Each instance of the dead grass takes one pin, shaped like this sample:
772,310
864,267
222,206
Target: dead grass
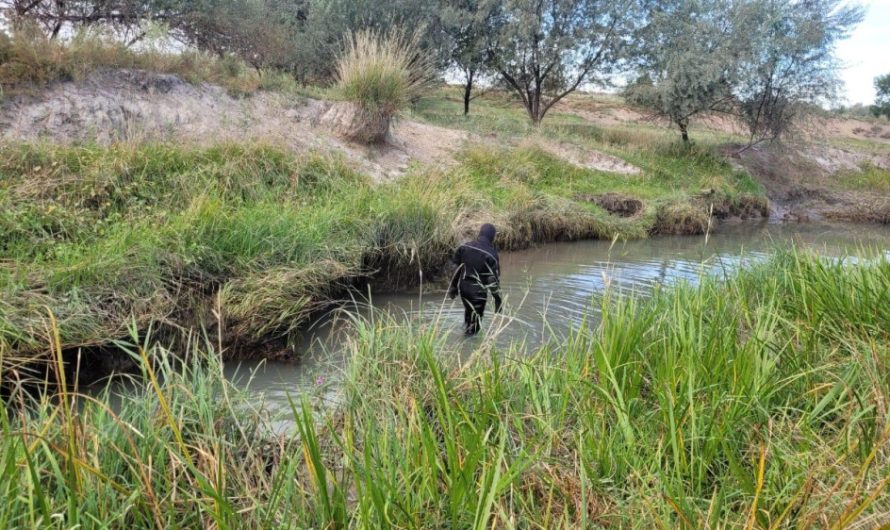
29,61
681,218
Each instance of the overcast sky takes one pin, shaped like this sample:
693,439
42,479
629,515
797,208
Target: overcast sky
866,54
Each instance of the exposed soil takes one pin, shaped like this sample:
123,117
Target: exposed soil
850,128
616,204
352,122
588,158
134,105
802,182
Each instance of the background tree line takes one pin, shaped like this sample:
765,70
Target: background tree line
764,62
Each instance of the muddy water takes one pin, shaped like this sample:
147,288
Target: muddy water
552,288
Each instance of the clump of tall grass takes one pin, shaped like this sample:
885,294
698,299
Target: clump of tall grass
382,72
379,73
682,218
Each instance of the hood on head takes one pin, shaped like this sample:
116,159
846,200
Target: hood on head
487,232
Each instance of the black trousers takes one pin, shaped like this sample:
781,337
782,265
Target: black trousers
474,308
474,298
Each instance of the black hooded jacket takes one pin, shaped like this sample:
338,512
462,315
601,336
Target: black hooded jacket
479,267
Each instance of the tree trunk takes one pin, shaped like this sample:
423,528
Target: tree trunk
468,91
60,7
535,109
683,131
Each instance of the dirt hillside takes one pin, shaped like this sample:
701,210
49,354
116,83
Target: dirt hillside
803,180
134,105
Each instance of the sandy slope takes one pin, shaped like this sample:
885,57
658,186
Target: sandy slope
129,105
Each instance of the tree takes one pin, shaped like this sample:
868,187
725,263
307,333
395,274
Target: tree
882,99
789,64
261,32
544,50
688,50
466,25
55,15
761,61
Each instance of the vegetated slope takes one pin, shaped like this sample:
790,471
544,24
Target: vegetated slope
156,201
830,167
249,240
114,105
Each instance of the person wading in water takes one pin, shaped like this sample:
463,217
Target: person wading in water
478,273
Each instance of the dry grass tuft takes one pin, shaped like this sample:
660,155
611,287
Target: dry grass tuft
382,71
681,218
30,60
379,74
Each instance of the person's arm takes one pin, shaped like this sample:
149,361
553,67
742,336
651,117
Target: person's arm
495,289
455,277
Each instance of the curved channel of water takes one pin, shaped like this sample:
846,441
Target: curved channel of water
551,288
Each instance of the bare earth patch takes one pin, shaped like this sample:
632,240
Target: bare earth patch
588,158
802,182
616,204
138,106
850,128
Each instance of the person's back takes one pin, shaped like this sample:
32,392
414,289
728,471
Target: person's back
478,274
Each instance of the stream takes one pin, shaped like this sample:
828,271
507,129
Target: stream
548,290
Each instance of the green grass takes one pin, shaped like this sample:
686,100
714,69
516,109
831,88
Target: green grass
861,145
498,113
168,233
868,178
495,112
758,402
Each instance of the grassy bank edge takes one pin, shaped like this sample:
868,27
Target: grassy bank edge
754,402
257,239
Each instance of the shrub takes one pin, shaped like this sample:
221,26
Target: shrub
379,74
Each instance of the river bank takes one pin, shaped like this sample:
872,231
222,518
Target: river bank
548,290
754,402
246,242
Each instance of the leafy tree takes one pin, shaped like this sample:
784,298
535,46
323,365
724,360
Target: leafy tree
544,50
687,50
261,32
789,64
55,15
762,61
882,100
466,25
